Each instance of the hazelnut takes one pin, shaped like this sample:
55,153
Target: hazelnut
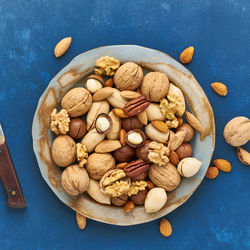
131,123
140,197
75,180
135,138
128,76
185,150
155,86
165,176
63,151
189,131
120,200
142,153
103,123
94,83
98,164
77,102
77,128
124,154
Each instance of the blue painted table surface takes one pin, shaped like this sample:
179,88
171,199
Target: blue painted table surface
217,215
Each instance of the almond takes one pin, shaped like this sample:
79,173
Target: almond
180,121
212,172
109,83
102,94
165,228
62,46
129,207
122,136
81,221
219,88
121,165
222,165
143,118
107,146
120,113
161,126
193,121
150,185
187,55
243,155
173,158
128,94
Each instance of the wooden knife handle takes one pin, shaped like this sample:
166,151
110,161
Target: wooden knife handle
9,179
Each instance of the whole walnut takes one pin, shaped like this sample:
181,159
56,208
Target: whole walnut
98,164
165,176
155,86
128,76
77,102
75,180
63,151
237,131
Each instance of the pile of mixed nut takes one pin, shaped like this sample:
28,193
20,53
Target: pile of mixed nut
122,138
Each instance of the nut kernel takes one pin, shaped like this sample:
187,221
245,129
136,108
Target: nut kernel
106,65
59,122
135,138
212,172
92,85
102,123
129,207
82,154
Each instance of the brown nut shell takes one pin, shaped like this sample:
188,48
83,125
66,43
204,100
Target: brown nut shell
120,200
133,144
135,168
110,123
139,198
131,123
77,128
96,77
124,154
185,150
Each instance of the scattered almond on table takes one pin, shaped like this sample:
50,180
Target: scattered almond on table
62,46
187,55
165,227
212,172
81,220
219,88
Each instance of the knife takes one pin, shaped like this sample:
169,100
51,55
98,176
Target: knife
8,176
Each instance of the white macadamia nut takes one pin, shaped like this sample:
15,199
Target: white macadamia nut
189,166
93,85
102,123
155,200
135,138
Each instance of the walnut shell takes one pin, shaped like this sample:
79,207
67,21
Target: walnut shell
128,76
155,86
63,151
237,131
77,102
98,164
75,180
165,176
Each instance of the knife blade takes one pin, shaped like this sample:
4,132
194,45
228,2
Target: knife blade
8,176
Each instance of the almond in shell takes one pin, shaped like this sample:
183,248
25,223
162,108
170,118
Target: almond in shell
129,94
62,46
102,94
193,122
107,146
243,155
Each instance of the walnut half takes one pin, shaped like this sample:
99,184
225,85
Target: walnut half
158,153
115,183
59,122
107,66
82,154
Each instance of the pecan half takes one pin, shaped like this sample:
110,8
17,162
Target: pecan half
135,168
136,106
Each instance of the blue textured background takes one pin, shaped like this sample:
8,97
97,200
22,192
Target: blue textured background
217,215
